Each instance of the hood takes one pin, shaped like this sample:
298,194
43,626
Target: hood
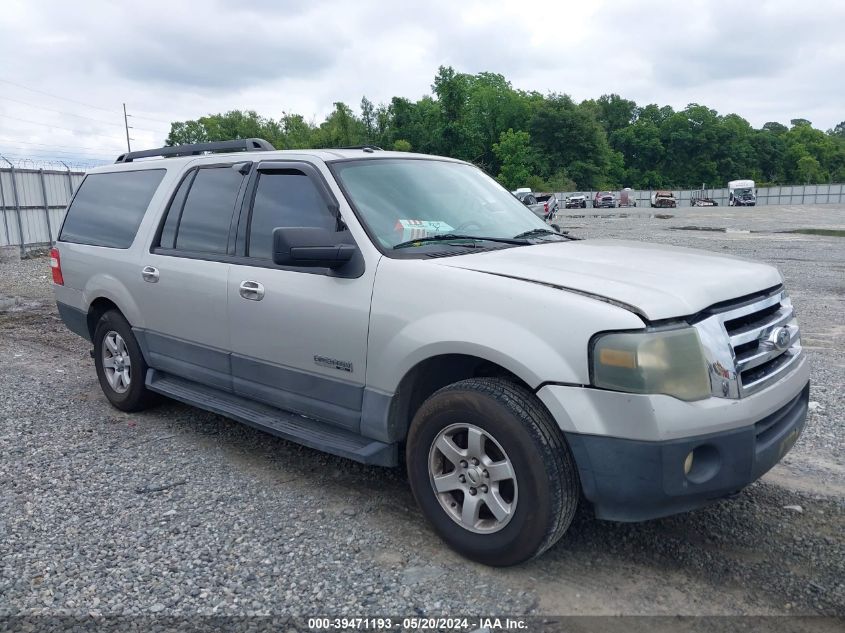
656,281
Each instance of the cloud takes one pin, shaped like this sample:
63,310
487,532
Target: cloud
171,60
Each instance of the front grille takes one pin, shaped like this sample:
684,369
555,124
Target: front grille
764,338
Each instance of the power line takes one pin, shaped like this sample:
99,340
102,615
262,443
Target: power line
59,127
81,116
87,105
47,157
52,145
36,150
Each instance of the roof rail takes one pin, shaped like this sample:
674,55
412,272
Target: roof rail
237,145
363,147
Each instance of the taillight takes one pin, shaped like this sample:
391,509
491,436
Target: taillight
546,207
56,266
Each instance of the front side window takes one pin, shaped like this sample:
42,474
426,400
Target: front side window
404,199
108,208
286,198
207,214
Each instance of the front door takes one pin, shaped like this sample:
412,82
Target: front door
298,335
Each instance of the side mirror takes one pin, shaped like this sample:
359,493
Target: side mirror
310,246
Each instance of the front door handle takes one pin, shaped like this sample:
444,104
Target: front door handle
150,274
252,290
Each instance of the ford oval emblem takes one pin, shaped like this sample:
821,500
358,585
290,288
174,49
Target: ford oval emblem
781,338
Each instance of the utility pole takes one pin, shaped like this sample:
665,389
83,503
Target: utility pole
126,125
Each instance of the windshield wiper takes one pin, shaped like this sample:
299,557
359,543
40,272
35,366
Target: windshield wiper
538,232
452,236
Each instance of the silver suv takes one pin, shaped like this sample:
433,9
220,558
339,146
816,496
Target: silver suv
377,304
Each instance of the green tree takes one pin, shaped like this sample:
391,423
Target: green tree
569,138
808,169
514,153
296,132
223,127
615,113
452,90
606,142
368,118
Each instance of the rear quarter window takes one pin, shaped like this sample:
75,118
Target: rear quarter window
108,208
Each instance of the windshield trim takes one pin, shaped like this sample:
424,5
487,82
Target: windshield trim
402,253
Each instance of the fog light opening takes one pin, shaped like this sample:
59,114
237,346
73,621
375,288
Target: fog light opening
688,463
702,463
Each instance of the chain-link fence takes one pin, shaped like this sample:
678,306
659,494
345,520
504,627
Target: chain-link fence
796,194
33,197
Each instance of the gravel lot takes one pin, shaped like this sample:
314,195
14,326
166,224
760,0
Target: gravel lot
177,511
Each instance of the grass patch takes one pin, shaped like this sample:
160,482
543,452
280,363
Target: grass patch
825,232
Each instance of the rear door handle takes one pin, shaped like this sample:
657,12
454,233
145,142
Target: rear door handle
252,290
150,274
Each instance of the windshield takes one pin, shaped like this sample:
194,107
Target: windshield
742,191
405,199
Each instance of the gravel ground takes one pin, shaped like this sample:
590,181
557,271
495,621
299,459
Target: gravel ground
180,512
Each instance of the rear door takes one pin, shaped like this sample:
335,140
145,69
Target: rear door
298,335
185,273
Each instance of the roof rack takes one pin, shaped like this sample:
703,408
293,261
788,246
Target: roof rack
237,145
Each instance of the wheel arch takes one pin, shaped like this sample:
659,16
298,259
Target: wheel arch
105,292
433,373
96,310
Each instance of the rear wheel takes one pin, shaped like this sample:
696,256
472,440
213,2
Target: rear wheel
121,368
491,471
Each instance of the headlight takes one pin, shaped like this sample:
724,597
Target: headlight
670,362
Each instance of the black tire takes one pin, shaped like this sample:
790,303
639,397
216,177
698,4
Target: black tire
137,397
545,472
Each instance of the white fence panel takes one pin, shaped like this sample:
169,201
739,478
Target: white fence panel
32,204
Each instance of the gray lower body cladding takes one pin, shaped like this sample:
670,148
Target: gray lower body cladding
74,319
631,480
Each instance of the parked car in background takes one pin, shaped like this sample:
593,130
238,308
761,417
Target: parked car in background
663,200
550,204
527,198
578,201
604,200
627,198
741,193
702,198
540,204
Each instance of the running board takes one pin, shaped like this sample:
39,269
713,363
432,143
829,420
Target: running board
290,426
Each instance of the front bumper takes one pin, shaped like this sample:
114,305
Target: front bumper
635,480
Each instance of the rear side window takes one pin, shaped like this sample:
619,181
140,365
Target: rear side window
108,208
285,199
174,212
207,214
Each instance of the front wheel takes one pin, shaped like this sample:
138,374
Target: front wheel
491,471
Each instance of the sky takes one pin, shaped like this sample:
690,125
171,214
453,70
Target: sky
66,67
